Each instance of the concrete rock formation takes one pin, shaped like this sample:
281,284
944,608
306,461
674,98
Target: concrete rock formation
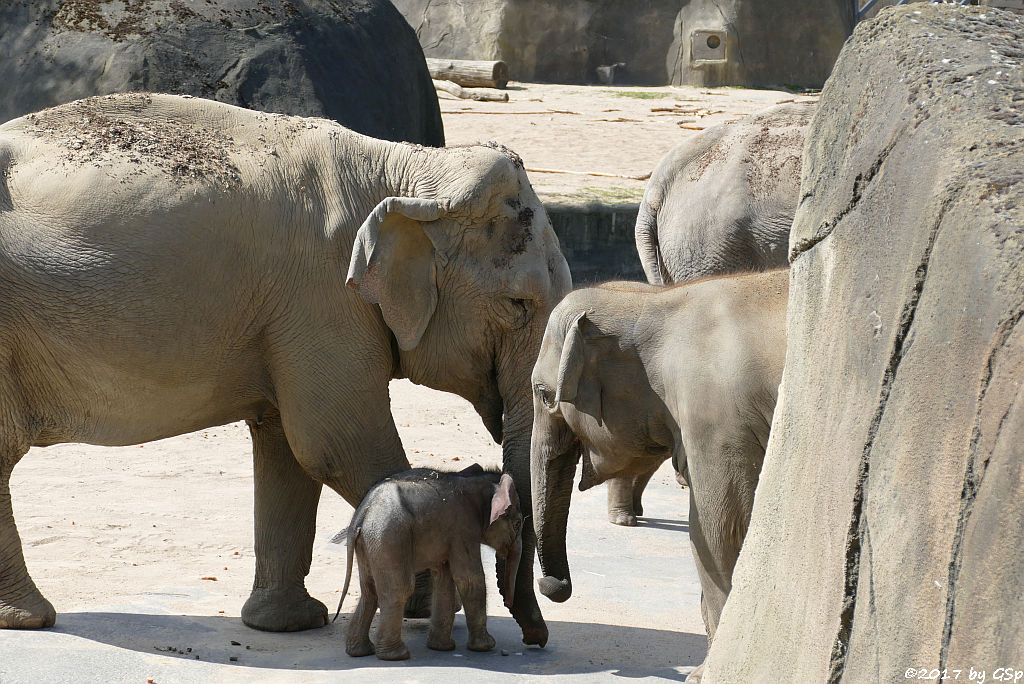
759,42
356,62
888,525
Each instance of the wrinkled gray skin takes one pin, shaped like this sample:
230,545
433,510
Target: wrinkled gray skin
424,519
721,202
627,377
168,264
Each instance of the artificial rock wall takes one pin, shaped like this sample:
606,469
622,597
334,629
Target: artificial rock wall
888,525
756,42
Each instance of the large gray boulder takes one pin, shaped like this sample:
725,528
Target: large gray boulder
888,525
357,62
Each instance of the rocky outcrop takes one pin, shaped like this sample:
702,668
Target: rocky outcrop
356,62
888,526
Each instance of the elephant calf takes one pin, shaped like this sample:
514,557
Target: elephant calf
629,375
424,519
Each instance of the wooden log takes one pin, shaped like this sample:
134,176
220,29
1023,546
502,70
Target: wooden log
478,95
470,73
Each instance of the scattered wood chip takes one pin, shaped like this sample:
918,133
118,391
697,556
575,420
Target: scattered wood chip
785,101
589,173
211,578
690,127
619,120
473,111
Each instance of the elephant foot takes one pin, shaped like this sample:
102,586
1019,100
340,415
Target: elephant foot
696,675
535,630
283,611
358,649
30,612
399,652
481,642
622,518
440,643
681,479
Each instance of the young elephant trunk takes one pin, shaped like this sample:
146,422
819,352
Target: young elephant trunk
552,487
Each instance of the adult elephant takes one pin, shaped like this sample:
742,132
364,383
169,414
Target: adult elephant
170,263
628,376
721,202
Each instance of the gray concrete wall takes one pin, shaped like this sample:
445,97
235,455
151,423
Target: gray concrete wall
597,241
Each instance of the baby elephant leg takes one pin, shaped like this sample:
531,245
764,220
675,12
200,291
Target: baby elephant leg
442,610
468,572
357,637
393,590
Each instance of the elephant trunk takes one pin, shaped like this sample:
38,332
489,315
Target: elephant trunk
646,235
515,445
552,489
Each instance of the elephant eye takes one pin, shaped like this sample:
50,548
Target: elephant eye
546,396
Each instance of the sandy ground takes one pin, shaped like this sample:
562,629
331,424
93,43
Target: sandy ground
146,551
622,131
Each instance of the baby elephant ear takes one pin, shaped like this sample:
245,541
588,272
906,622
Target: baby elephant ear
504,499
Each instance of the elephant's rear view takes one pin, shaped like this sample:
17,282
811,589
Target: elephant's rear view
723,201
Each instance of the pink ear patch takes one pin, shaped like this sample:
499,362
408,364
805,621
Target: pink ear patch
503,496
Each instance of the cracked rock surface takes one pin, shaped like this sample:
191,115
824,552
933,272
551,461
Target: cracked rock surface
888,526
310,58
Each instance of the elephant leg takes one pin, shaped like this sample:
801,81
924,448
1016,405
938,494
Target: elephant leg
442,610
22,606
285,522
419,604
392,593
357,636
620,502
639,485
722,484
468,572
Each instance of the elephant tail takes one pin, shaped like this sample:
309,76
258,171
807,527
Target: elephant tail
353,538
646,235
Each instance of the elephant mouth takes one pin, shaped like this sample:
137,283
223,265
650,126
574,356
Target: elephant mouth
495,424
589,477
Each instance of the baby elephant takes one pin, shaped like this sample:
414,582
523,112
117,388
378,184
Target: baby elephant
424,519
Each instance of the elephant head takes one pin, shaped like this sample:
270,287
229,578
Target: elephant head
593,401
466,268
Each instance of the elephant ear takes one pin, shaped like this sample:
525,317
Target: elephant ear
393,265
576,385
505,513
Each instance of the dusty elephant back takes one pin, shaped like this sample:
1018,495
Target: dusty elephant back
723,201
137,233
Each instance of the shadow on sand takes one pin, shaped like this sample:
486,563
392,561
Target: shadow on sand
574,648
664,524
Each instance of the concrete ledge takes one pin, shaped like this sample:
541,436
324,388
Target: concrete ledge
597,241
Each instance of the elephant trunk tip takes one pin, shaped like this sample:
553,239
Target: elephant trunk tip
558,590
